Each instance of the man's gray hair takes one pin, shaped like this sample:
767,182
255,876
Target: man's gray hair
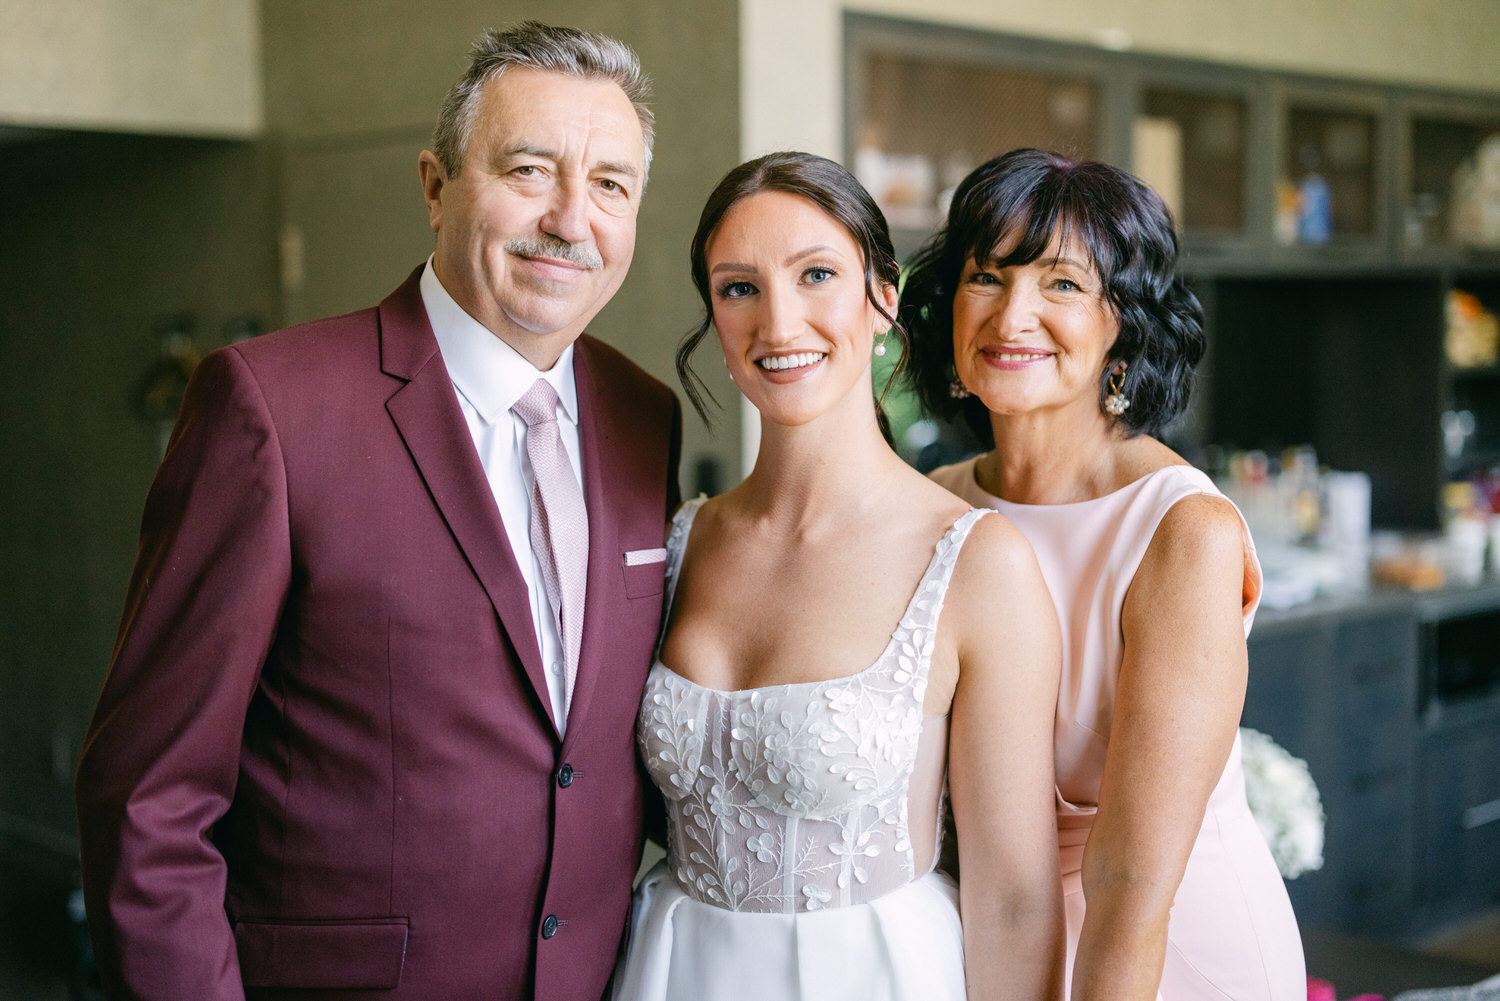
583,54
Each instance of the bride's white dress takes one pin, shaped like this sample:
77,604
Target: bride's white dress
803,826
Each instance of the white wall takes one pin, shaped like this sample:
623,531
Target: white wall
175,67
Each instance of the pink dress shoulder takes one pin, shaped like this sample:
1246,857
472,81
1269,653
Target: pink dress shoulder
1232,932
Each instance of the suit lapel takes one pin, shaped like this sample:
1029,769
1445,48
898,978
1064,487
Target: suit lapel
430,421
598,421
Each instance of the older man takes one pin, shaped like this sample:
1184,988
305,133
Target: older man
368,730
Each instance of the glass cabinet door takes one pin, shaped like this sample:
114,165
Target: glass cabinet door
922,123
1190,146
1452,196
1328,186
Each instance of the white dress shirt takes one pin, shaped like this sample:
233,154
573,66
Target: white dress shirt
489,377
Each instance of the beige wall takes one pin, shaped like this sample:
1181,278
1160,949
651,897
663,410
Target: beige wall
352,89
1445,43
180,67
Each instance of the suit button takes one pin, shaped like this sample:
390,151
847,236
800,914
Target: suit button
549,926
565,776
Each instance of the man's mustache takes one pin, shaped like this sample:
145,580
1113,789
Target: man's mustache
546,245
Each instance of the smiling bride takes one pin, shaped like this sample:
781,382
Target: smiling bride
845,642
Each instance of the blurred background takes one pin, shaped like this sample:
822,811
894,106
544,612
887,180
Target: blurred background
176,175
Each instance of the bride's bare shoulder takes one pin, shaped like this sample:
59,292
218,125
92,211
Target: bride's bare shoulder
997,576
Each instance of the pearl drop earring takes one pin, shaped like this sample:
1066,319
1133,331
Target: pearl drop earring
1116,403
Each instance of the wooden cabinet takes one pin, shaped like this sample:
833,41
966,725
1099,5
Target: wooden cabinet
1459,806
1256,165
1446,146
1394,703
1349,365
1324,228
1471,385
930,106
1285,700
1191,137
1333,174
1369,796
1460,819
1341,694
1324,222
1472,418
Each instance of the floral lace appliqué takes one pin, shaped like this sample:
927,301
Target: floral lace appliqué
794,798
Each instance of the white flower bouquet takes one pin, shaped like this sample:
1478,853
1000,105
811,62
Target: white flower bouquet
1284,801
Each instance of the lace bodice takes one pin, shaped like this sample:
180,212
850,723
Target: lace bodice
797,797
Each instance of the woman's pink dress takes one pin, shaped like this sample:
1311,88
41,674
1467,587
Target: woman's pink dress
1232,933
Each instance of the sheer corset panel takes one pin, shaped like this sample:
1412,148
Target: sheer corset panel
925,793
803,797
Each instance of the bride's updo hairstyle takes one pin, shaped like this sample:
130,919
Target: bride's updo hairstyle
1126,230
828,186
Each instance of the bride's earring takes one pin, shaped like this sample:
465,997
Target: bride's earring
880,342
1116,403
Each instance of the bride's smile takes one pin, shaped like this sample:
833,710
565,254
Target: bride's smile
792,308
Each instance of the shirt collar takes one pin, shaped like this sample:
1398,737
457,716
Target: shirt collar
489,373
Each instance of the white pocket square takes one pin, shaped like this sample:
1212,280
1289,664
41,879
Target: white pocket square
641,557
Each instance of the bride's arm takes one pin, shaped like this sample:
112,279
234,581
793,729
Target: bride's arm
1003,629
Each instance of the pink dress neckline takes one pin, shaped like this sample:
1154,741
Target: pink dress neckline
1135,484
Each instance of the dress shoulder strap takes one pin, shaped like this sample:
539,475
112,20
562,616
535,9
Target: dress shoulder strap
927,604
1162,490
677,539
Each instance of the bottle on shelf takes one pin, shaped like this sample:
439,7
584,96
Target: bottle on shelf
1314,201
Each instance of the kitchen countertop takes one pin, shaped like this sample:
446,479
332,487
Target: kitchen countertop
1446,602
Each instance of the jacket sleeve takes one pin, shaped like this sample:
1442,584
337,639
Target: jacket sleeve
160,761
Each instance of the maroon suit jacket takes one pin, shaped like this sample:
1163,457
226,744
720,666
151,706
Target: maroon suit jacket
324,763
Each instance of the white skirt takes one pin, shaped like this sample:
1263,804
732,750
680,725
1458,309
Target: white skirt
904,946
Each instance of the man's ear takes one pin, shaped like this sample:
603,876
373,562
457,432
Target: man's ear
434,178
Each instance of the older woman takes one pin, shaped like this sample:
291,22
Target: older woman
818,674
1049,314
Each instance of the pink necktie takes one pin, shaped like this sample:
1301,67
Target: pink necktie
559,523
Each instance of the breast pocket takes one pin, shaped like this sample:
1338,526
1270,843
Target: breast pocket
645,572
317,955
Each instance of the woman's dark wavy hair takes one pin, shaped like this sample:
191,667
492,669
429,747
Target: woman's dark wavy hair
828,186
1127,231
